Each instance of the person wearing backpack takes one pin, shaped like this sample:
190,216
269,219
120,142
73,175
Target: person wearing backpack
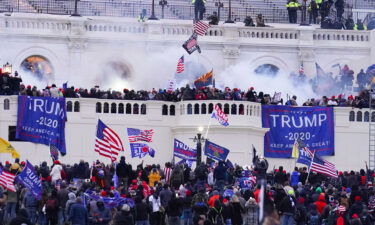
215,214
31,204
52,208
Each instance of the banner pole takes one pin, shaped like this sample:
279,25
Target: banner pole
208,127
308,173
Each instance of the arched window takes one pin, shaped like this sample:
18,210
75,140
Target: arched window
351,116
189,109
366,117
241,110
128,109
76,106
143,109
113,108
172,110
106,107
210,108
196,108
69,106
221,107
226,109
6,104
204,109
359,116
98,107
233,110
135,108
373,117
164,110
121,108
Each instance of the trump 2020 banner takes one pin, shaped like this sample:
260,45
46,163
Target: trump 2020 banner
312,125
215,151
183,151
42,120
31,180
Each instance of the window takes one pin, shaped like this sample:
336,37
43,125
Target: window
164,110
233,110
196,108
359,116
69,106
210,108
113,108
6,104
189,109
106,107
76,106
241,111
121,108
172,110
351,116
143,109
226,109
128,108
12,134
366,117
98,107
204,109
373,117
136,109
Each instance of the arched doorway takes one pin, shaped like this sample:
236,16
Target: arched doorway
38,66
267,70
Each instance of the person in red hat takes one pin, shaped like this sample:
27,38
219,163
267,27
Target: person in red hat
357,207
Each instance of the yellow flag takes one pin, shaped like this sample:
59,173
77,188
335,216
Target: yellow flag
6,147
295,151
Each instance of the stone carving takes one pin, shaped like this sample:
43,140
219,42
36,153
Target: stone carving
232,52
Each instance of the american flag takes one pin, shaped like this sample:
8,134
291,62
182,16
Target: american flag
135,135
107,143
201,28
54,152
301,69
7,180
191,43
180,65
320,165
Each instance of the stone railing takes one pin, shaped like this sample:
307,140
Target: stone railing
63,25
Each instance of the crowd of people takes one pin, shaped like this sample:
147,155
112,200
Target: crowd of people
12,85
176,195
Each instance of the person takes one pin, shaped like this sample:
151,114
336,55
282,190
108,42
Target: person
361,79
31,204
174,210
62,197
124,217
237,211
292,101
15,168
10,206
100,215
142,16
157,209
56,171
287,209
294,177
248,21
78,214
251,212
214,19
260,21
219,175
199,9
215,214
313,10
52,208
292,6
359,25
123,171
349,23
72,199
154,177
22,218
339,4
142,212
280,176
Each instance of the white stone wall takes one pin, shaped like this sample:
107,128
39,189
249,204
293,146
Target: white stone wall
351,137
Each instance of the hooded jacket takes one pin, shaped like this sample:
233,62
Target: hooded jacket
320,204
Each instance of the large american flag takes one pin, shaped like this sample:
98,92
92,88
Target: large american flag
180,65
107,143
7,180
135,135
321,165
201,28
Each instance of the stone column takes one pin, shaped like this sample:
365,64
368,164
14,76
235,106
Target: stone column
306,49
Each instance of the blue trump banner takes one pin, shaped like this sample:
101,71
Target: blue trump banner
183,151
31,180
313,125
42,120
215,151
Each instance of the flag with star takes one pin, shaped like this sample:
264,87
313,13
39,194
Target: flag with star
204,80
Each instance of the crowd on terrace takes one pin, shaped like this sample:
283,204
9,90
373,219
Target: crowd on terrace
210,194
328,84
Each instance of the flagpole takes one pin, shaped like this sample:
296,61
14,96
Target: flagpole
308,173
208,127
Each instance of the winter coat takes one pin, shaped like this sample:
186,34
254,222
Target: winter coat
56,173
70,202
251,213
100,214
320,204
153,177
123,218
78,214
